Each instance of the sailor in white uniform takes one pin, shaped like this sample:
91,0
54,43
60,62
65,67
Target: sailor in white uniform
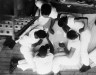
71,60
47,16
28,42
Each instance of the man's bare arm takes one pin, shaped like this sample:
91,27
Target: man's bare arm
72,50
38,43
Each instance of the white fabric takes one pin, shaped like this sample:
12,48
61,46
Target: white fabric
63,62
85,40
44,65
53,13
74,24
29,40
76,56
22,64
26,47
38,4
40,65
28,55
43,23
92,56
42,20
78,26
70,22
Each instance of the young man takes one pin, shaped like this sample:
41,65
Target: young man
69,22
28,42
47,16
43,60
48,47
71,60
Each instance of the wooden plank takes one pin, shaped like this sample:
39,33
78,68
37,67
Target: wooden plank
4,59
5,55
4,63
4,71
4,74
4,67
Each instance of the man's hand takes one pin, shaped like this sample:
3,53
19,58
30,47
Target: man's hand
37,43
61,44
47,36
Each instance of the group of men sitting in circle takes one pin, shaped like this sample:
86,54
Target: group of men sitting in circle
46,60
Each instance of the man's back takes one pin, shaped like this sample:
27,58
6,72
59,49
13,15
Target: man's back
43,65
30,39
75,24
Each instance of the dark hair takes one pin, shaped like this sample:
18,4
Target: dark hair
63,23
72,34
46,9
41,34
42,51
47,46
81,30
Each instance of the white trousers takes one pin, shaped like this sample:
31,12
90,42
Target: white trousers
64,63
85,40
28,55
84,57
92,56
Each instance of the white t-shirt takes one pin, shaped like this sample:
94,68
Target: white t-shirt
85,39
75,59
64,63
74,24
43,23
30,39
53,13
38,4
44,65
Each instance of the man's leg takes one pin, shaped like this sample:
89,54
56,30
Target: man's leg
92,60
51,26
24,66
92,57
28,55
56,66
85,61
85,40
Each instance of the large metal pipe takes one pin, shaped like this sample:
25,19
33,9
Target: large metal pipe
9,42
20,32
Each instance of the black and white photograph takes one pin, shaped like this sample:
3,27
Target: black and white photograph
47,37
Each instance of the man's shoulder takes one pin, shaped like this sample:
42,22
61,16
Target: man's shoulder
53,13
39,4
34,30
